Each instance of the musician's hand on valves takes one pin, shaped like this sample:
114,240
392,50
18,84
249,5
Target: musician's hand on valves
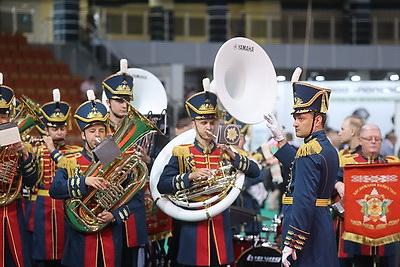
226,149
48,142
105,217
142,154
200,174
274,127
286,252
97,182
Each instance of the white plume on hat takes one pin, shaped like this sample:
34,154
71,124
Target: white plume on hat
1,78
90,95
296,75
123,63
206,84
56,95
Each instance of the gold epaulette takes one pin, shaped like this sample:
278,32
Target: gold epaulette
348,159
69,163
392,159
181,150
310,148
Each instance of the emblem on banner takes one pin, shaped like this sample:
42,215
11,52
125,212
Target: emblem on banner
375,206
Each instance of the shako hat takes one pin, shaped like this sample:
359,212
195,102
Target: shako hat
119,85
91,112
57,112
6,97
202,105
310,98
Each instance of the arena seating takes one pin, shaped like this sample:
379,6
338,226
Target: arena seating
32,70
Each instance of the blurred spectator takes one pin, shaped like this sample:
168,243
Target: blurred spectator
88,85
333,137
362,113
387,146
183,125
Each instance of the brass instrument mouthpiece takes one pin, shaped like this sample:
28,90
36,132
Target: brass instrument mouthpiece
211,134
98,140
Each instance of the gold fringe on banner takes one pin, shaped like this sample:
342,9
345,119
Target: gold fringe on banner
371,241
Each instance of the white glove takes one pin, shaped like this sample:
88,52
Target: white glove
285,254
274,127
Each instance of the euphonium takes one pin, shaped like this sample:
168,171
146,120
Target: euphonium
10,179
82,212
27,117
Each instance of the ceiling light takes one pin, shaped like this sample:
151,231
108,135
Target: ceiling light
281,78
394,77
355,78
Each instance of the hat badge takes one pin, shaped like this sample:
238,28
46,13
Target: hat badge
298,101
94,114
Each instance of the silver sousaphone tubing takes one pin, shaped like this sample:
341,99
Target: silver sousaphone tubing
245,83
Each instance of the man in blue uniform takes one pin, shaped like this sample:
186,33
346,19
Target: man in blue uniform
308,235
104,247
208,242
16,166
118,89
47,217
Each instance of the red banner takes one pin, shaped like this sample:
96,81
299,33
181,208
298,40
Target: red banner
372,203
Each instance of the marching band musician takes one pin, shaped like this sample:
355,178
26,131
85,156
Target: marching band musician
208,242
308,235
119,91
13,239
47,217
101,248
361,255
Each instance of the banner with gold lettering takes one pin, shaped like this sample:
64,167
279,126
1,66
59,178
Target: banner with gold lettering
372,203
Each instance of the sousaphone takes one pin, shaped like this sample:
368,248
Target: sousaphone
245,83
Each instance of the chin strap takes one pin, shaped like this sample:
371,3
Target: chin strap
312,125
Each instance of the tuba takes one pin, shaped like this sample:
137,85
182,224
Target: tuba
82,212
243,77
10,179
147,86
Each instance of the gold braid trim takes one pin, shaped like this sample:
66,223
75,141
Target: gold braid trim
371,241
69,164
310,148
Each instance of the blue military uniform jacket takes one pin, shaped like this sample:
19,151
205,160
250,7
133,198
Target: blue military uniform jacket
194,239
81,248
307,223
